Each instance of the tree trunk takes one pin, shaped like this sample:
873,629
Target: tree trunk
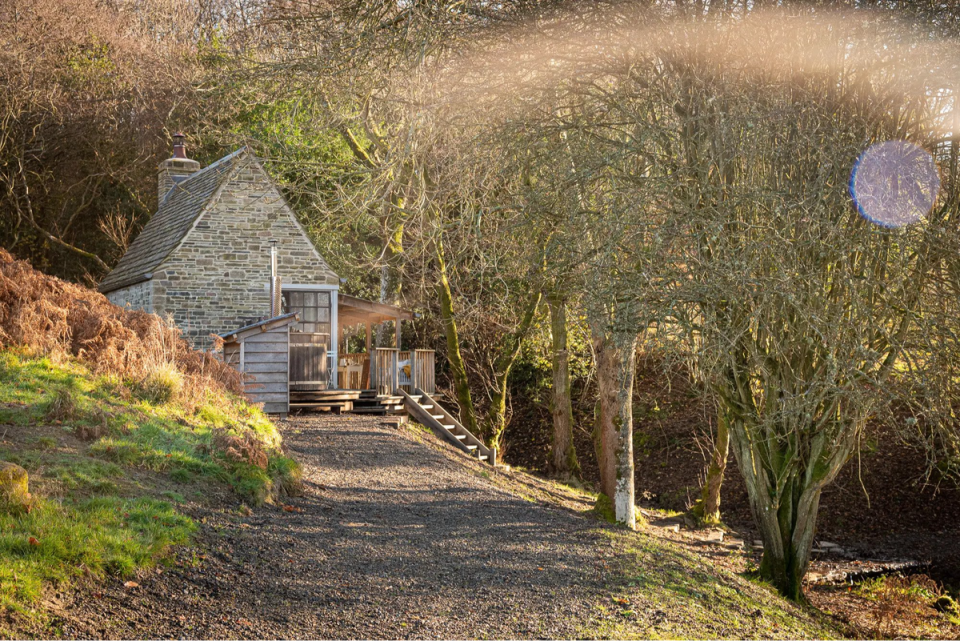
784,495
563,461
707,509
615,356
495,421
787,535
390,282
457,367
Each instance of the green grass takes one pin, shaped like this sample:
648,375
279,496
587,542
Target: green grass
104,535
160,435
659,590
104,454
655,588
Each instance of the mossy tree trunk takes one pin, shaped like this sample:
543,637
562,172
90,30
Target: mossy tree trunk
494,422
785,474
707,509
458,368
563,459
390,280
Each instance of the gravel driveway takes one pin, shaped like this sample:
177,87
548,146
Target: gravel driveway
394,537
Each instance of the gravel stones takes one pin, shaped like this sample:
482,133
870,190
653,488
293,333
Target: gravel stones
392,539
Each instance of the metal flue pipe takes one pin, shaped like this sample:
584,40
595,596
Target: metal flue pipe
275,287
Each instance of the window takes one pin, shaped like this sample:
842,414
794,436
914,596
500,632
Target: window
314,310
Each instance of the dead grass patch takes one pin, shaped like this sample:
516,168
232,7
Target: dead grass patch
50,316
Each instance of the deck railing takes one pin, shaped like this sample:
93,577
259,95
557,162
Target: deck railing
391,369
383,370
423,370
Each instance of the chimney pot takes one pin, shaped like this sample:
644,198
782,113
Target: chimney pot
179,148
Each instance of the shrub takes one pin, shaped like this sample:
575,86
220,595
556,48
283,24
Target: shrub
62,407
161,385
241,449
287,474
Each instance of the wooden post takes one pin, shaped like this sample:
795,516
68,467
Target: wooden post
370,364
396,330
334,337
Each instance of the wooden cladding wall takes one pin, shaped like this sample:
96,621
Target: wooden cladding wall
264,361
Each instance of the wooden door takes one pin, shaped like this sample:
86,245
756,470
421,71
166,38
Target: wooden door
309,339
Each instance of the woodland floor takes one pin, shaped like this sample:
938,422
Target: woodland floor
399,536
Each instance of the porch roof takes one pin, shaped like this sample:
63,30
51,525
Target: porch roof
356,311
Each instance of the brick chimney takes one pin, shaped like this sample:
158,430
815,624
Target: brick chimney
176,168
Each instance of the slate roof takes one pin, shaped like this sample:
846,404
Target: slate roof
174,218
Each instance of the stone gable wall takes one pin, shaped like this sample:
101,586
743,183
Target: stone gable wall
138,296
216,280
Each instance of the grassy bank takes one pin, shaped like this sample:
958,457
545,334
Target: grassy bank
109,460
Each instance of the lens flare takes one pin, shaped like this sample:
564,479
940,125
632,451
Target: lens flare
894,183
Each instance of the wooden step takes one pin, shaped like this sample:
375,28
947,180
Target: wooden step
455,433
325,395
376,411
335,408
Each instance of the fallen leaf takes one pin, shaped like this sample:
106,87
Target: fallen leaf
33,541
131,584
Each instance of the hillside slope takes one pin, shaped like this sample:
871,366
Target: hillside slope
121,427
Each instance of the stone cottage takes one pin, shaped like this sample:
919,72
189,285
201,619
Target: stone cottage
204,260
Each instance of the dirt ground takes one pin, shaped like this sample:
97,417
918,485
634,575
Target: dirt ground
878,507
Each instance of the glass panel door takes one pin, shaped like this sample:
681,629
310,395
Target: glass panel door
309,338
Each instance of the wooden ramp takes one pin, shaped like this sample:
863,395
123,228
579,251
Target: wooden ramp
427,411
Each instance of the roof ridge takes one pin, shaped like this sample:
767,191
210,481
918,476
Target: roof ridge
174,218
201,172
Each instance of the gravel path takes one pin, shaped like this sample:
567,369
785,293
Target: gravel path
393,538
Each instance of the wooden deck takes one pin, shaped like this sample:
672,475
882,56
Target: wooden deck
347,401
